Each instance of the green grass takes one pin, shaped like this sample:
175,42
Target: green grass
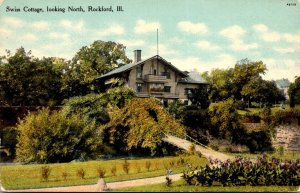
181,186
287,155
29,176
274,109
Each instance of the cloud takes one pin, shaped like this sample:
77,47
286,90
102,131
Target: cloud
188,63
205,45
142,27
235,36
77,26
193,28
277,69
284,50
63,38
292,38
114,29
266,34
29,37
233,33
13,22
163,49
40,25
5,32
131,43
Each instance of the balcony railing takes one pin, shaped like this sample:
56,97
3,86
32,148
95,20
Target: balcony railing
155,78
158,94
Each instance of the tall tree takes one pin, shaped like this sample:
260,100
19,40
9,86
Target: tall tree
294,92
90,62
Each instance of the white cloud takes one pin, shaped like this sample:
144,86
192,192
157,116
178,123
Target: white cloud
40,25
206,45
29,37
193,28
131,43
163,49
114,29
239,45
143,27
266,34
63,38
235,34
77,26
284,50
5,32
260,28
188,63
292,38
13,22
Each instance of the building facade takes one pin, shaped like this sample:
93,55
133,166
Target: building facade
155,77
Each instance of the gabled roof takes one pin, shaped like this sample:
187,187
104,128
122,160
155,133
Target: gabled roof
283,83
187,78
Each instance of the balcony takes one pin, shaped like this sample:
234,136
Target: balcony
155,78
158,95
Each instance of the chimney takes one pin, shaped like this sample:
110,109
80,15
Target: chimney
137,56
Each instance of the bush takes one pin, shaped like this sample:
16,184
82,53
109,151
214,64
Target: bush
113,170
125,166
64,175
148,165
52,137
192,149
168,181
80,173
241,172
101,172
45,173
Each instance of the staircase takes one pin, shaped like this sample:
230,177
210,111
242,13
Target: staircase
287,136
204,150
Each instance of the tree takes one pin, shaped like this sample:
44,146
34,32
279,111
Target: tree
52,137
26,80
261,91
90,62
294,92
199,97
139,125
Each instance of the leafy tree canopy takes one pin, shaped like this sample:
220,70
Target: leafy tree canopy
140,124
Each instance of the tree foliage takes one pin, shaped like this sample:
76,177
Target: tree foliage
294,92
90,62
52,137
26,80
140,124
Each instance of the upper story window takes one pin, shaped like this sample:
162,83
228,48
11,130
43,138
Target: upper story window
138,71
167,73
188,91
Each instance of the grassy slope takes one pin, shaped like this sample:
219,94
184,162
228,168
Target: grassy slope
181,186
28,176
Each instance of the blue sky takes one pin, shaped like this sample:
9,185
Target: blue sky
193,34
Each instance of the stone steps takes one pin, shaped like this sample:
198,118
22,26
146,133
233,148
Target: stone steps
287,136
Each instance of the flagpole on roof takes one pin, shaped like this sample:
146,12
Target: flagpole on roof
157,41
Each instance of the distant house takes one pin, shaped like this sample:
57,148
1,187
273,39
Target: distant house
283,84
155,77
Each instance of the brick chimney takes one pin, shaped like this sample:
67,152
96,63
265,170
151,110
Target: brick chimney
137,56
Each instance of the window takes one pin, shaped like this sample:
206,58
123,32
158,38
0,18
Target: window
167,89
167,73
138,71
139,87
188,91
154,72
165,102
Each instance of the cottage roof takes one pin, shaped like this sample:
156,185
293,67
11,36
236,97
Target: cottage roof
127,67
282,83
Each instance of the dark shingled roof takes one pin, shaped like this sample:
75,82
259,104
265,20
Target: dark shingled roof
283,83
127,67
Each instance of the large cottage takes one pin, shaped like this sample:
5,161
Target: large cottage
155,77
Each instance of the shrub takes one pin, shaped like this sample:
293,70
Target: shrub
171,163
148,165
168,181
113,170
101,172
80,173
281,150
52,137
137,167
125,166
192,149
64,175
45,173
243,172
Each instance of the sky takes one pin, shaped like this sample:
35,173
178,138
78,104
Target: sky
192,34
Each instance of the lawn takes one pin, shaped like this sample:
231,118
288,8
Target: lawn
29,176
181,186
274,109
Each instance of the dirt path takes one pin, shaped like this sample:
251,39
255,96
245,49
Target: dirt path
95,187
184,144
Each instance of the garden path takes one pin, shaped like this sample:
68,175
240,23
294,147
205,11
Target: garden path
205,151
